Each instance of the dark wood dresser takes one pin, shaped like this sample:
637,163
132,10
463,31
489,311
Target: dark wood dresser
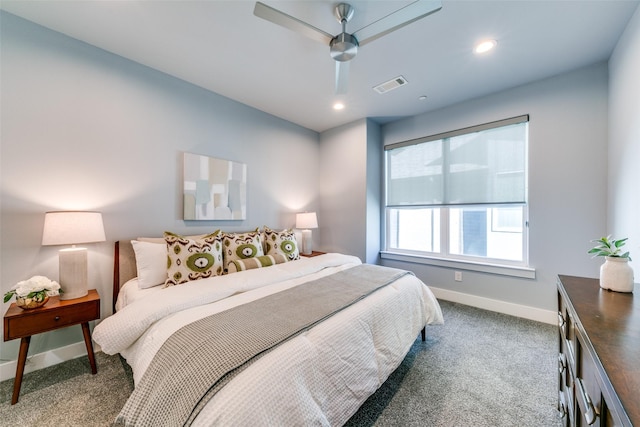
599,360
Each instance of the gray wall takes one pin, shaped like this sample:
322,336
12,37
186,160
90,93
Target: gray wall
85,129
624,141
343,186
567,179
351,190
374,196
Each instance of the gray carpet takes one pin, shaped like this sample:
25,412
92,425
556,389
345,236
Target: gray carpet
479,369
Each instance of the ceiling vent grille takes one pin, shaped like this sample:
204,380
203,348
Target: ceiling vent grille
391,85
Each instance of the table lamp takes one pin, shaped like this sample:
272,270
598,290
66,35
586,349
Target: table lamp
71,228
305,221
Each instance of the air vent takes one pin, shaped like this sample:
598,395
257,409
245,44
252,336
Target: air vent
391,85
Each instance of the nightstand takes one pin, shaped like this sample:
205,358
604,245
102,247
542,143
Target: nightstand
312,254
55,314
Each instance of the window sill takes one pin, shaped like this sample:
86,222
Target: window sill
504,270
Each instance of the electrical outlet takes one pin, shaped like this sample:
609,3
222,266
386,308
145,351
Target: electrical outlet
458,276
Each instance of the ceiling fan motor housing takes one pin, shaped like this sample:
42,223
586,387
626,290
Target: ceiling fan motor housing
343,47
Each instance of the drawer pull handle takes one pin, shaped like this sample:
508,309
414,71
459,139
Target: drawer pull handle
57,318
560,320
590,413
562,363
562,407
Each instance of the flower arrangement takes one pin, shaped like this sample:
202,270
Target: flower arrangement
609,247
33,291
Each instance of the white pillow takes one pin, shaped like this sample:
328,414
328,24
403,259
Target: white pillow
151,263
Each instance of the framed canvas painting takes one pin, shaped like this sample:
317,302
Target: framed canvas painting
214,189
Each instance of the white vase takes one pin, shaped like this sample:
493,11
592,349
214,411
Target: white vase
616,274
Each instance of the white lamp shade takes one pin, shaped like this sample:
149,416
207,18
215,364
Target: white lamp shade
72,227
306,220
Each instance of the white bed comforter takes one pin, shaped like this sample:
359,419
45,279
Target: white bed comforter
320,377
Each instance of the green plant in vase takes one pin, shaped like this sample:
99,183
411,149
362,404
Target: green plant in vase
615,274
609,247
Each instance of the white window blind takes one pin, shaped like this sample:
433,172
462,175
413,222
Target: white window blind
485,164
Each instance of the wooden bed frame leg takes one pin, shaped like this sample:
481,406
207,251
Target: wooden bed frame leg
423,332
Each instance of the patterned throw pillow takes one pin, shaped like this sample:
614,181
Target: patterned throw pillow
189,259
241,246
281,242
255,262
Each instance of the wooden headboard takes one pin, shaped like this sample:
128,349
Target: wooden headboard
124,267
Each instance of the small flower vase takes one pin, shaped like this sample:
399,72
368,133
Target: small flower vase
26,303
616,274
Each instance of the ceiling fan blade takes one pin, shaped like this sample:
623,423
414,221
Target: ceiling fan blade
263,11
398,19
342,77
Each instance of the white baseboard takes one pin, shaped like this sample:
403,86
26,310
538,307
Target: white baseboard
526,312
45,359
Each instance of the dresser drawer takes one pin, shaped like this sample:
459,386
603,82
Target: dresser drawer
587,391
565,389
567,328
592,407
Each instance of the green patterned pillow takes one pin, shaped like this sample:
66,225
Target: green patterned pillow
255,262
281,242
189,259
241,246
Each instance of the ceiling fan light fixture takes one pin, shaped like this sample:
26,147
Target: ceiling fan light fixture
485,46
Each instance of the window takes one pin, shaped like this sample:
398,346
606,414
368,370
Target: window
460,195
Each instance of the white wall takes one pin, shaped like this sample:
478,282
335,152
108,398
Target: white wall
624,140
85,129
567,179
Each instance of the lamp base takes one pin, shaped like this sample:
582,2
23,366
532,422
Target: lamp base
307,242
73,273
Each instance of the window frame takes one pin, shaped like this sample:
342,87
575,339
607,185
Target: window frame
445,258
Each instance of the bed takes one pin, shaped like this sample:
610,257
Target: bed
319,375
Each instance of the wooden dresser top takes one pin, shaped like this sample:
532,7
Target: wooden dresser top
611,321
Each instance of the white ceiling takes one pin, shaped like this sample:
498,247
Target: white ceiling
223,47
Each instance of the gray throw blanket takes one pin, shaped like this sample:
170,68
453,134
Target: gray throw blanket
200,358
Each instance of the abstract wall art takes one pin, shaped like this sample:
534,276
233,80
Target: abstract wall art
214,189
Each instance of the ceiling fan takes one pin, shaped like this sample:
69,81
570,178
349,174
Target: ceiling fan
344,46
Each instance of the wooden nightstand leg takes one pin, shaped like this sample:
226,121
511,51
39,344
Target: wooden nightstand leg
87,340
22,359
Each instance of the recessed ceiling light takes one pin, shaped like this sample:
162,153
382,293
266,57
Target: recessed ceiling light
422,97
485,46
338,106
